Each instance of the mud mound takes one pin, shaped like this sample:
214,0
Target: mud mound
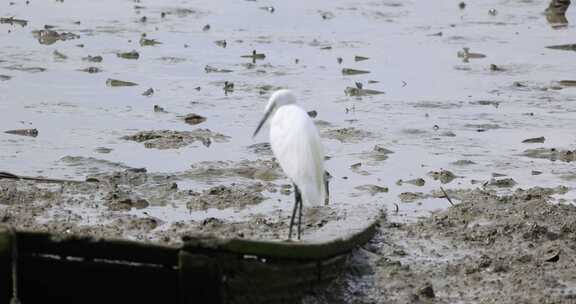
489,248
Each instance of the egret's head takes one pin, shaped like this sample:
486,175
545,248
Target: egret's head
278,99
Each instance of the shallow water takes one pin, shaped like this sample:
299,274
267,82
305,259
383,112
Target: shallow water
424,81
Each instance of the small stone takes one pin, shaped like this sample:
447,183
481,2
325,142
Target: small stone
228,86
92,70
409,197
119,83
427,291
347,71
221,43
24,132
129,55
148,92
93,58
444,176
103,150
540,139
463,162
502,183
194,119
495,68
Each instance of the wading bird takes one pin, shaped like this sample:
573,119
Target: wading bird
296,145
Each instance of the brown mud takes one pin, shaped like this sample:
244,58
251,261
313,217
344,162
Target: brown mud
168,139
117,204
488,248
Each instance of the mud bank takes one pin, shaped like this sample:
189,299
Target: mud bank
488,248
135,204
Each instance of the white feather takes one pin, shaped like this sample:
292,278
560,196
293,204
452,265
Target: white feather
296,144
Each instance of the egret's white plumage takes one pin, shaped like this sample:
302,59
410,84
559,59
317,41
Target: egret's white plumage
296,144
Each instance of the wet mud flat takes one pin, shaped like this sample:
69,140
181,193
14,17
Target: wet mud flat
116,205
488,248
474,97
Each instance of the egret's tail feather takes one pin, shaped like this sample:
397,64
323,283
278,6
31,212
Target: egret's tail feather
313,195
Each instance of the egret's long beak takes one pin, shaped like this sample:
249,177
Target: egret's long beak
264,119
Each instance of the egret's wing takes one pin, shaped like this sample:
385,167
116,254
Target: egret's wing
297,147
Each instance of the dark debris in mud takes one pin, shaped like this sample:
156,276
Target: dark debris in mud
552,154
482,127
444,176
49,37
23,132
96,59
410,197
486,103
194,119
415,181
372,189
502,182
222,197
532,140
169,139
563,47
349,134
129,55
119,83
347,71
463,162
28,69
379,153
262,170
14,21
263,149
91,70
358,92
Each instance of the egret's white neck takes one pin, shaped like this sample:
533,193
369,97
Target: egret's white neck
280,98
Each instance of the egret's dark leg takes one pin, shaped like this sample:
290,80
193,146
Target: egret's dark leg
327,178
297,198
300,219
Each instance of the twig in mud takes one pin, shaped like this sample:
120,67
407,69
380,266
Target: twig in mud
446,196
7,175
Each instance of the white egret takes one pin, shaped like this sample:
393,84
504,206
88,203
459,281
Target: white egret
296,144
